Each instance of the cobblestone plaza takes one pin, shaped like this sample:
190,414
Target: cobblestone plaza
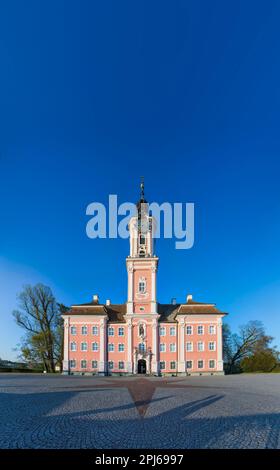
40,411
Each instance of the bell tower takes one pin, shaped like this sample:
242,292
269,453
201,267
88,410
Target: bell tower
142,262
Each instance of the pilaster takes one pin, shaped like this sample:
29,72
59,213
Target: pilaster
65,365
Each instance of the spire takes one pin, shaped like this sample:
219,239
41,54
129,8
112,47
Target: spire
142,197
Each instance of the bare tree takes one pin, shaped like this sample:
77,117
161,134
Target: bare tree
38,314
251,338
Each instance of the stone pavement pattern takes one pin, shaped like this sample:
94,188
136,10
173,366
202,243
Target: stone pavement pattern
40,411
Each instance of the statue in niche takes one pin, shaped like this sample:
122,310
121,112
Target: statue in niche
141,331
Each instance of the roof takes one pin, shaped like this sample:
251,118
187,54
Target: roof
167,312
115,312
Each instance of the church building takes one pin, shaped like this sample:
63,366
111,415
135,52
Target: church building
143,336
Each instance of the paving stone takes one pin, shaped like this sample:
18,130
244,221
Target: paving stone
53,411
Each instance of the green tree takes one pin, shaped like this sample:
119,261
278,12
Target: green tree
40,316
261,361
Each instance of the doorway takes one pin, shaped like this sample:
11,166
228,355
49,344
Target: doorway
142,366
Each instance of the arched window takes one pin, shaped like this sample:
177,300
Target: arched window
141,347
142,239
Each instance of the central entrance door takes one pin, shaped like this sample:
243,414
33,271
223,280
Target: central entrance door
142,366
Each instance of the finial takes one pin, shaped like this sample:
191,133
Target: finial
142,188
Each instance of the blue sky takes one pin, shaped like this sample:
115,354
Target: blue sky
95,94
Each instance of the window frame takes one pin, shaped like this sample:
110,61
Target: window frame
82,330
95,327
209,329
142,287
142,349
172,328
160,330
71,328
111,329
191,328
198,329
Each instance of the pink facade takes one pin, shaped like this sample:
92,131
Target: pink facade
142,335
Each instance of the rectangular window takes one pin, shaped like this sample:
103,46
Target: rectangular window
172,331
172,365
94,365
212,329
200,364
189,364
110,365
212,346
121,365
172,347
83,364
111,347
141,287
73,330
110,331
95,330
83,346
72,364
189,330
189,346
141,347
121,331
73,347
211,364
200,330
95,347
162,347
200,346
121,347
84,330
162,365
162,331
